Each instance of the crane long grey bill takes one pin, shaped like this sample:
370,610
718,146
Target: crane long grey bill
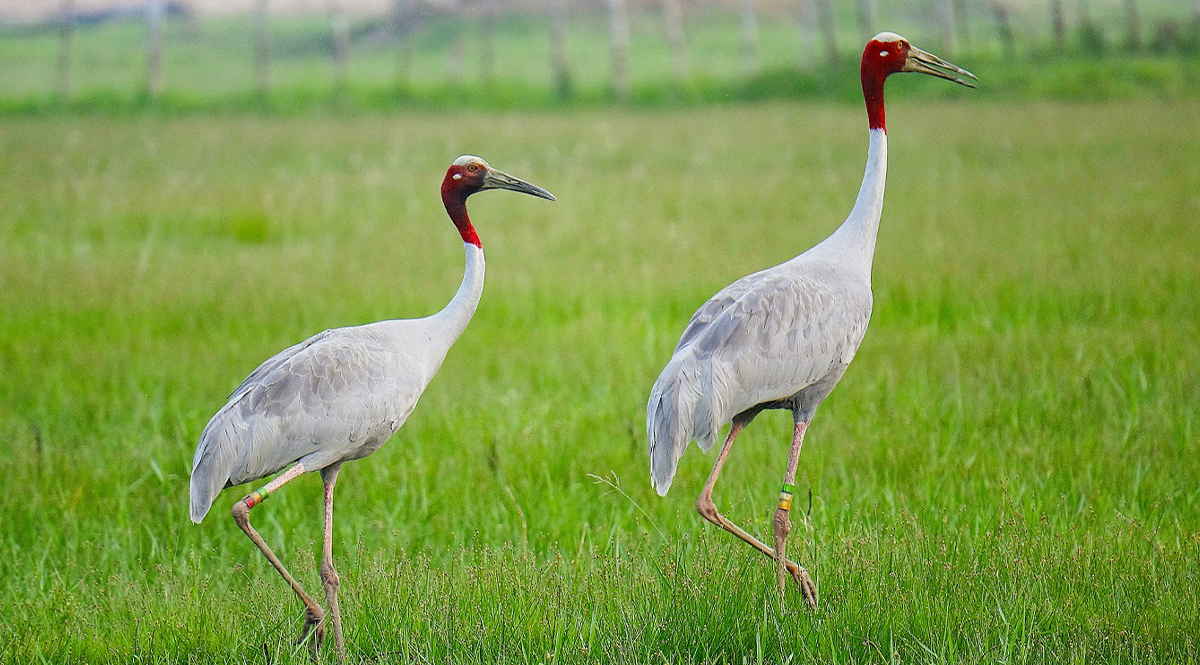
500,180
925,62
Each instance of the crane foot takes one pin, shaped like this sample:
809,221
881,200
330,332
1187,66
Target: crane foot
807,588
313,631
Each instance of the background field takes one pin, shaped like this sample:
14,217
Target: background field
1009,471
449,56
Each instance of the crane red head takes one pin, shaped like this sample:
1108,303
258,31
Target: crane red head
470,174
888,53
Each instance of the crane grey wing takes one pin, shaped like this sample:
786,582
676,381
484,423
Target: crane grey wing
272,363
336,397
762,342
715,305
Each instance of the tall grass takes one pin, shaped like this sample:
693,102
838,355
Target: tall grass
1008,472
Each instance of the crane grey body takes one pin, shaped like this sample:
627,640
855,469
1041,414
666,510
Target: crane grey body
783,337
777,339
335,397
338,396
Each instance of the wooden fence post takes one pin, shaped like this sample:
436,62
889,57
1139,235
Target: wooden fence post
673,19
339,25
559,62
618,31
154,15
1004,28
401,29
829,27
805,19
1058,24
65,46
458,49
750,37
487,43
866,19
946,14
1135,25
262,49
962,25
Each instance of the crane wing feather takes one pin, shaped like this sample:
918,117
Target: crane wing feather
762,339
336,396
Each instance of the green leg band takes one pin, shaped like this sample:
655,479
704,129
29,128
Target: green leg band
257,496
785,496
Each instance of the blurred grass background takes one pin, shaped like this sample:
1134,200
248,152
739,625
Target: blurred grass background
452,56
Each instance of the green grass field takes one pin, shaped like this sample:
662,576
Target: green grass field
1008,473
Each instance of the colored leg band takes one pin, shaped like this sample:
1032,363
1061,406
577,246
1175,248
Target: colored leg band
785,496
256,497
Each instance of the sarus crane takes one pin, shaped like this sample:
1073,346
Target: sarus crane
339,396
781,338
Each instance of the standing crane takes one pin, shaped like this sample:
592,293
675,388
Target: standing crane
338,396
782,337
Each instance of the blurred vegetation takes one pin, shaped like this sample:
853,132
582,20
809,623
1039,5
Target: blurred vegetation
209,63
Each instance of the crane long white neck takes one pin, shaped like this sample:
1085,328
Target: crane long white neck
854,241
458,312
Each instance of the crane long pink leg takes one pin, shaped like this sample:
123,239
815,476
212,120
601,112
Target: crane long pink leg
783,525
313,614
706,507
329,576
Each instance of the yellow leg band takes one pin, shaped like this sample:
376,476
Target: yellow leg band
256,497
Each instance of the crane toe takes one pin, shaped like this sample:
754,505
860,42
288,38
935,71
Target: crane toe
314,629
807,589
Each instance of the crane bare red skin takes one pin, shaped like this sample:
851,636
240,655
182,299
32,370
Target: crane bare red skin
880,59
454,196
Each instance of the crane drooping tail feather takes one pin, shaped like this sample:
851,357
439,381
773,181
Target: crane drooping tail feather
211,468
679,410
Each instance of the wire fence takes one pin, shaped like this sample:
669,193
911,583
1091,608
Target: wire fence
552,49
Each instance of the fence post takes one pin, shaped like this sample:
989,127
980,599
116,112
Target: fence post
262,49
1004,28
154,14
829,27
1059,24
618,31
458,48
866,18
559,63
487,43
962,25
400,35
945,13
66,37
339,25
1135,25
673,18
805,19
750,37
